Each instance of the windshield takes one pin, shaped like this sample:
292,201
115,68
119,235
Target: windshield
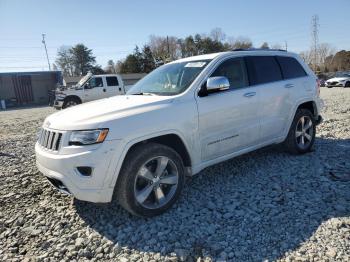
169,79
342,74
84,79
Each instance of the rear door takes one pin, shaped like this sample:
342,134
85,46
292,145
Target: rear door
275,99
113,86
228,120
296,80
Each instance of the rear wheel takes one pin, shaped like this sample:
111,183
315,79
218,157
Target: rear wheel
151,180
347,84
301,135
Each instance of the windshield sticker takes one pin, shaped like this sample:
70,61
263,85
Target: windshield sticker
195,64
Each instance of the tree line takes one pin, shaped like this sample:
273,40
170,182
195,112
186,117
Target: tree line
79,59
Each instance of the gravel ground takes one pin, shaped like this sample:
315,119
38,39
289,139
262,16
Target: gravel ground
266,205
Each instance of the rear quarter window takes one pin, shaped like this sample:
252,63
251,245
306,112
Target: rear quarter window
263,69
112,81
291,68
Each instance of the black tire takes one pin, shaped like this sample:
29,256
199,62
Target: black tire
347,84
292,143
330,86
70,101
125,190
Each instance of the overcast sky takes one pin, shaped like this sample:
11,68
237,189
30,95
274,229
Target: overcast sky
113,28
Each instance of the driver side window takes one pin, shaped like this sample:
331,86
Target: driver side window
235,71
95,82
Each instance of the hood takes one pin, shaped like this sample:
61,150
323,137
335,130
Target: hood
337,79
95,114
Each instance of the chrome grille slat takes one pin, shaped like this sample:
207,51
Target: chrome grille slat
54,142
49,143
46,138
42,136
50,139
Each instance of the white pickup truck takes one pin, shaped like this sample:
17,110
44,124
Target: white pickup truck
90,87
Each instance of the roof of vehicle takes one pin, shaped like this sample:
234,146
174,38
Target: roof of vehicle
250,51
107,75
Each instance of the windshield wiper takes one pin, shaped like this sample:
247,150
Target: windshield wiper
144,94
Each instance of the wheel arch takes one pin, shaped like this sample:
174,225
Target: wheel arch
305,104
172,138
75,97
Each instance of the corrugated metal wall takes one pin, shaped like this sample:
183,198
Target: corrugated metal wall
23,88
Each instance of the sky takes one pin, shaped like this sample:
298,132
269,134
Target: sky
112,29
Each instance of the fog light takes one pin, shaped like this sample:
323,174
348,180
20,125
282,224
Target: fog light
84,170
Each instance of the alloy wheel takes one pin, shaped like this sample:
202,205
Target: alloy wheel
304,132
156,182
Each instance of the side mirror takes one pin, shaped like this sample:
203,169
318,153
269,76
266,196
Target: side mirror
87,86
217,83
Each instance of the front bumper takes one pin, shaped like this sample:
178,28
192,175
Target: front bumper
58,104
62,172
319,120
334,84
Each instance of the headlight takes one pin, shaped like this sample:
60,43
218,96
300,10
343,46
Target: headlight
60,96
88,137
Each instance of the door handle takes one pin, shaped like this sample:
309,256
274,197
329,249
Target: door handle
288,85
104,89
250,94
120,89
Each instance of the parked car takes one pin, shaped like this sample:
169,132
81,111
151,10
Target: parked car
181,118
89,88
342,80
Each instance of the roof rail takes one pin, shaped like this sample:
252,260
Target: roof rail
258,49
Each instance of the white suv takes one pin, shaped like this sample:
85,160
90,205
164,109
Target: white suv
182,117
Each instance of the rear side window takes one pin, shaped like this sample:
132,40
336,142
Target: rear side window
235,71
291,68
263,69
112,81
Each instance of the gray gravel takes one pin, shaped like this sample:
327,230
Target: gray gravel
266,205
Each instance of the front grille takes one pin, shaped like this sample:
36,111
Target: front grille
333,83
50,139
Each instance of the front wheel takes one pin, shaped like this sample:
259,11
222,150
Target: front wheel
301,135
69,102
347,84
151,180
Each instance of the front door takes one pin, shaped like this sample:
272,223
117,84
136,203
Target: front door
93,89
228,120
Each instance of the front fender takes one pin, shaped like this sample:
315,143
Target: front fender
121,153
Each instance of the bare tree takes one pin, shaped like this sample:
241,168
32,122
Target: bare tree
217,34
110,68
277,46
240,42
307,56
324,50
164,48
64,60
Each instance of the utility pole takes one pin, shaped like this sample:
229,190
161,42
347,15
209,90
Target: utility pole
167,43
47,56
286,45
314,33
